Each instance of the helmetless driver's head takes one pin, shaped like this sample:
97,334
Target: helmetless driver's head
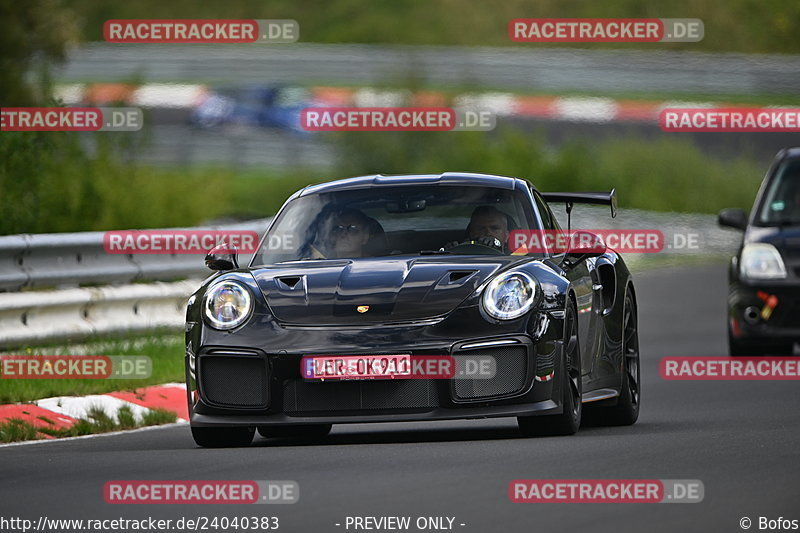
488,221
347,233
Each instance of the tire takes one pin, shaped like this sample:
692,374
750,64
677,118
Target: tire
304,432
567,422
223,437
626,411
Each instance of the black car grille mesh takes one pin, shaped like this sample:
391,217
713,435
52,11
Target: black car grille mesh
234,381
307,396
512,371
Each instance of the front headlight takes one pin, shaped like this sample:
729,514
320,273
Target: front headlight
761,261
509,295
227,304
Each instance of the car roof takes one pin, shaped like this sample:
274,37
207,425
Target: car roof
793,153
446,178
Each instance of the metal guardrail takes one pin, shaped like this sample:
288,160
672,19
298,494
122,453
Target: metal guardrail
62,260
29,318
72,259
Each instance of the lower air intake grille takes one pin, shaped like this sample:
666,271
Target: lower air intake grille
512,371
306,396
234,381
789,315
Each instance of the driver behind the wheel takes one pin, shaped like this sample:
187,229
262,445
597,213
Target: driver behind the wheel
343,234
488,226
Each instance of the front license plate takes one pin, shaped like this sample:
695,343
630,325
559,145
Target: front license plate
324,367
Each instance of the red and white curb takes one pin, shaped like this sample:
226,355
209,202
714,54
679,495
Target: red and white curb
63,412
547,107
149,95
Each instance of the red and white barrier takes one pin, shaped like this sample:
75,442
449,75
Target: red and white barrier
63,412
549,107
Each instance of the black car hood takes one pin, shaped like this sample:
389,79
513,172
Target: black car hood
394,288
786,239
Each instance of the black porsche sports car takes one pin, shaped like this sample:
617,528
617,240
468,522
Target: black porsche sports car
764,276
362,286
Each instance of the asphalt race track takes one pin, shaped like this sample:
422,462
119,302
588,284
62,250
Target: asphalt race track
738,437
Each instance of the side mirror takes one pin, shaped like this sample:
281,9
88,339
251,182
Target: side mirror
222,257
733,218
584,244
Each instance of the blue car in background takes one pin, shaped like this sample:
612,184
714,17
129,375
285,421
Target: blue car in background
263,106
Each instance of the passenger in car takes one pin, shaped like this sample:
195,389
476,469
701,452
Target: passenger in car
487,226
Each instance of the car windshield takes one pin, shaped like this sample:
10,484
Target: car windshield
781,204
396,220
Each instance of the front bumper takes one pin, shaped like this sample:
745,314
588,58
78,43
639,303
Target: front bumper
233,386
767,312
279,419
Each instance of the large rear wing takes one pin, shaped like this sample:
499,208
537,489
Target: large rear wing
600,198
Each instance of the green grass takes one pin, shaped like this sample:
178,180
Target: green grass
96,421
49,185
730,25
673,175
667,174
15,429
166,352
258,193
